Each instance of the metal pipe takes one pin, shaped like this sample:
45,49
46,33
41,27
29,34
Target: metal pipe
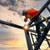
10,24
29,44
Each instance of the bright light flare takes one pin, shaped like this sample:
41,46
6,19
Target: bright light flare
26,27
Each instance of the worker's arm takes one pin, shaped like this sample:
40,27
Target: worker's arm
25,19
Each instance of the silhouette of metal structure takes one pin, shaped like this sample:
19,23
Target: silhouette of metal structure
48,9
29,44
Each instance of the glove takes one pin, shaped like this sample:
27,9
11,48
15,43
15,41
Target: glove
46,19
25,20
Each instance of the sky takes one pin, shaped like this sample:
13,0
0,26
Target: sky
13,37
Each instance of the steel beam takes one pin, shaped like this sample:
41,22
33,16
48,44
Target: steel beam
43,36
40,11
48,42
28,40
48,9
39,22
10,24
30,30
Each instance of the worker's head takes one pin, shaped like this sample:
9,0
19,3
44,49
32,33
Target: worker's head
24,12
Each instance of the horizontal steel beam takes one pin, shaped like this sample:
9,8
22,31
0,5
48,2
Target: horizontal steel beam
10,24
30,30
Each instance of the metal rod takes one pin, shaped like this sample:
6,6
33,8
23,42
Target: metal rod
48,35
28,40
34,34
41,39
32,40
40,11
10,24
48,9
32,30
48,42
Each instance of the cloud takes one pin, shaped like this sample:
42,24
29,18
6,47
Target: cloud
13,42
7,38
5,34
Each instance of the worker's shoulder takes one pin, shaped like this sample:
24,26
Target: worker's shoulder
31,9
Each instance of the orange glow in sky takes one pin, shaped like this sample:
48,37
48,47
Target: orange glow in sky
14,43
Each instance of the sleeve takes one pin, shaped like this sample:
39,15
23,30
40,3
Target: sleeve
35,13
26,18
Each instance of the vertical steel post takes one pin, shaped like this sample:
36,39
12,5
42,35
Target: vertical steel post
29,44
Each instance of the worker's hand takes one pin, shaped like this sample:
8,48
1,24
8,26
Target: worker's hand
25,20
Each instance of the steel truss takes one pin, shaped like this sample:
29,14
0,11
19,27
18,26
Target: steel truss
29,44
